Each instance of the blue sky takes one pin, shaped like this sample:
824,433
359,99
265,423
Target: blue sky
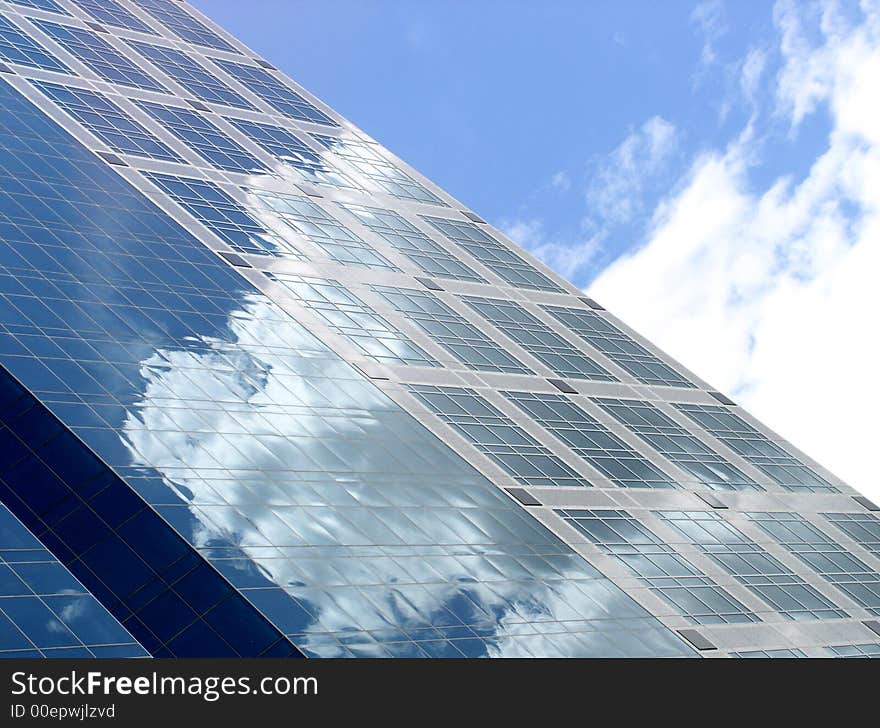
514,107
709,170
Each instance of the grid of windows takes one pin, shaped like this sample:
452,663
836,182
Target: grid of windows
622,349
413,243
189,74
99,56
496,256
310,221
756,448
591,440
288,147
205,138
451,331
272,458
222,215
675,443
770,654
863,528
871,649
751,565
280,97
108,122
112,13
44,610
538,339
175,17
16,47
369,162
350,317
825,556
494,435
665,572
49,5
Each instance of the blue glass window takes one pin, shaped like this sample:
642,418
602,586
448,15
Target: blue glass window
675,443
825,556
494,435
451,330
432,258
350,317
492,253
107,121
317,226
100,56
290,148
373,167
222,215
770,654
870,649
42,606
189,74
751,565
49,5
755,447
665,572
863,528
112,13
537,338
591,440
16,47
205,138
621,348
275,93
177,19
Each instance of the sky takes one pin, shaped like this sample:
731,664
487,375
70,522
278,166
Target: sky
709,171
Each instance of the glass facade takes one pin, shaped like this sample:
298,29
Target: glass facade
265,391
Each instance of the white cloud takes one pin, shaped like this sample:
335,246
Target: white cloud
772,293
751,73
615,193
567,259
561,181
262,446
708,17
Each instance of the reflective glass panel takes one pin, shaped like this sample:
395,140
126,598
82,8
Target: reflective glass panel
666,573
174,16
675,443
826,557
101,57
538,339
492,253
621,348
494,435
754,446
590,439
107,121
451,330
751,565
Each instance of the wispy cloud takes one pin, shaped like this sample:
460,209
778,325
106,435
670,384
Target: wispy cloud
770,292
568,259
751,73
708,18
615,193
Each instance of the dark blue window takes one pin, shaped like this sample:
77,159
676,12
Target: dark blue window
16,47
189,74
204,138
107,122
101,57
275,93
176,18
112,13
